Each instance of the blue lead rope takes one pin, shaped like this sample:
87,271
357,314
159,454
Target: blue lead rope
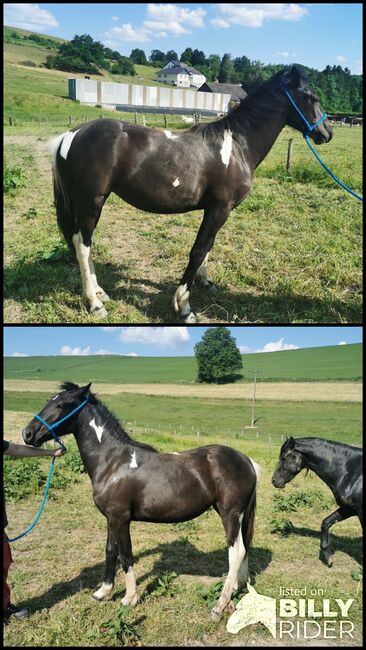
310,128
51,428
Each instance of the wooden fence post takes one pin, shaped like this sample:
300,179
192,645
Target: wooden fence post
135,117
165,120
289,153
143,120
10,121
69,120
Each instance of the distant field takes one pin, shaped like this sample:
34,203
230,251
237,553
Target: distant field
333,363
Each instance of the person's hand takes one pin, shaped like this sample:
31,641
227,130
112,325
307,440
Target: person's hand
59,452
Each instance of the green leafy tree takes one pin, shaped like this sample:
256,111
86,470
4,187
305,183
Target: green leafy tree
138,56
124,66
186,56
198,58
217,356
171,55
226,72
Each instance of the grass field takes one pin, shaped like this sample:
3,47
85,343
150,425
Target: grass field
276,260
329,363
177,567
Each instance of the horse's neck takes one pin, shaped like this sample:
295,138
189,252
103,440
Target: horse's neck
259,134
94,439
320,459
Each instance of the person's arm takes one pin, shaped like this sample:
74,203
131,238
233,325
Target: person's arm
23,451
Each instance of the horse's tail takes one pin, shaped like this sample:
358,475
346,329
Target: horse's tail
62,198
247,526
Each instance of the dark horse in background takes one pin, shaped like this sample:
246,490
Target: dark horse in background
208,166
133,482
338,465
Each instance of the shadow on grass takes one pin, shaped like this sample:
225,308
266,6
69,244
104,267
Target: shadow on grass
179,556
39,281
350,545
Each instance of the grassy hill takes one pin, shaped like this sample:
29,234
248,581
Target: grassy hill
333,363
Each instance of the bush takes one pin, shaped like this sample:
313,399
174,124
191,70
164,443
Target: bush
30,64
22,477
281,526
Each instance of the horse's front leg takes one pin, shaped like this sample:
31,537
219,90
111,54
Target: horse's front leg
213,220
121,532
325,551
105,592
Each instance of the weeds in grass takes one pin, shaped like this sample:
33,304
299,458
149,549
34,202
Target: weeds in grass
120,629
210,595
22,479
165,586
281,527
295,500
30,214
14,179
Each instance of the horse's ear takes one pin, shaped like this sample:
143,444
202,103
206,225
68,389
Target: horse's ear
291,442
291,78
85,389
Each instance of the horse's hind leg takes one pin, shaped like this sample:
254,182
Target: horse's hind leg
105,592
325,551
213,219
202,276
237,553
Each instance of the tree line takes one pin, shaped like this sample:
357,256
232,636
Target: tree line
338,90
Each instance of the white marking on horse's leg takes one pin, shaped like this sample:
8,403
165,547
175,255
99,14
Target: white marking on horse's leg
181,304
89,295
131,596
105,592
133,462
227,146
98,289
98,429
170,135
176,182
237,554
66,143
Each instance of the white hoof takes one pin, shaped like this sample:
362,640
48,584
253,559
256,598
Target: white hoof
130,601
190,318
102,295
99,312
215,615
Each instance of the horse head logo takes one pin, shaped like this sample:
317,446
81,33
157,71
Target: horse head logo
253,608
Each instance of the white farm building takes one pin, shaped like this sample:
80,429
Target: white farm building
180,74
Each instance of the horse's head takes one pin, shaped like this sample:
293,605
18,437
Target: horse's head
290,463
60,406
295,84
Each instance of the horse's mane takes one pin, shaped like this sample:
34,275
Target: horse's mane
256,106
112,424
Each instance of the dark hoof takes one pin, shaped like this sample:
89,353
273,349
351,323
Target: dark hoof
326,558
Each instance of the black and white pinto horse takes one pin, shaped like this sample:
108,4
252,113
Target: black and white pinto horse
133,482
338,465
208,166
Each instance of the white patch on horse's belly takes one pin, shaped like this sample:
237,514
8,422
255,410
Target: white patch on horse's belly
176,182
133,462
226,148
98,430
170,135
66,143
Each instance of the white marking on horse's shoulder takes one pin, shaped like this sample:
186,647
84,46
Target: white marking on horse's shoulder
170,135
173,452
133,462
56,396
176,182
66,143
227,146
98,429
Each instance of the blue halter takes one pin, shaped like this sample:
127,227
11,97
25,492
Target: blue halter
50,428
310,128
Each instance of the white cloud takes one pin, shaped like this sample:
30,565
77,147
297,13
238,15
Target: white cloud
19,354
284,54
161,21
160,336
254,15
342,343
277,346
75,351
115,18
28,16
219,22
130,354
341,59
244,349
110,329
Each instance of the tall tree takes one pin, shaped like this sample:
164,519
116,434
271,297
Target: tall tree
171,55
226,71
138,56
217,356
186,56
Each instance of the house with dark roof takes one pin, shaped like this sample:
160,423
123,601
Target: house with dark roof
180,74
235,90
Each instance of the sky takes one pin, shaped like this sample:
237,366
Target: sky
164,341
314,34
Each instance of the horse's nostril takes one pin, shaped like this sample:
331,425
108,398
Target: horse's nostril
27,435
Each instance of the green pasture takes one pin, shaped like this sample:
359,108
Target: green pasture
216,419
333,363
179,566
